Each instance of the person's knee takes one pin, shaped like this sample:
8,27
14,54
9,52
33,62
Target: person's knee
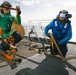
17,37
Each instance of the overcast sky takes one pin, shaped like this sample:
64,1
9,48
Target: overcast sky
45,10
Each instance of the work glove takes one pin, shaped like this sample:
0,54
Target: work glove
48,35
18,11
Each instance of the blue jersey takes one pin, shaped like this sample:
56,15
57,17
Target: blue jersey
62,32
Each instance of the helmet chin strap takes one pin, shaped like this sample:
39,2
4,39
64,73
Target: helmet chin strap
63,20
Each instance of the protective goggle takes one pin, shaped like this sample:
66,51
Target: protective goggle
63,15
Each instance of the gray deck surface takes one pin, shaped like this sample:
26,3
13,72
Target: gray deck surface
34,63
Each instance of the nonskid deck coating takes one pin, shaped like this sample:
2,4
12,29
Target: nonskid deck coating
40,64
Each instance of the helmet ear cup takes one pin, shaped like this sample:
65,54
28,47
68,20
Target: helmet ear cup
70,15
58,16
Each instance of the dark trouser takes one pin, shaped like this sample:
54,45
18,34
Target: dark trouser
63,49
17,38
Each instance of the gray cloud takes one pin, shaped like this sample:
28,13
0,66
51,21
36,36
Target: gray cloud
31,2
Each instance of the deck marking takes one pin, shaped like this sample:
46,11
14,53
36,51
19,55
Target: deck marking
33,56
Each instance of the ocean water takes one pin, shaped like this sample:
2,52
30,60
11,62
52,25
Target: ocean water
39,30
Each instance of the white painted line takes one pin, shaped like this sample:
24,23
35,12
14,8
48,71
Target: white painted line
33,56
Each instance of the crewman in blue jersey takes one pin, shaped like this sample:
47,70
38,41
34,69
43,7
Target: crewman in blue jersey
61,30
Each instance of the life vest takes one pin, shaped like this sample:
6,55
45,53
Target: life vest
59,29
